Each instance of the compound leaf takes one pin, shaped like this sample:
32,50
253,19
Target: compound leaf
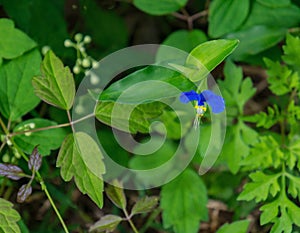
8,217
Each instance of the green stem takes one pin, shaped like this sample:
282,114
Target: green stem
149,221
130,222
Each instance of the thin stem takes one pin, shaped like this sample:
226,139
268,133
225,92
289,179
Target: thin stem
130,222
189,18
179,16
3,126
199,15
70,120
2,145
52,126
151,218
44,188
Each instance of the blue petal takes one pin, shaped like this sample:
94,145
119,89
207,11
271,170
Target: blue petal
216,102
186,97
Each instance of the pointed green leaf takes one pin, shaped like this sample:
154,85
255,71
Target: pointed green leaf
16,91
80,157
236,227
144,205
13,42
116,195
223,16
107,223
291,52
47,140
208,55
56,85
8,217
183,201
159,7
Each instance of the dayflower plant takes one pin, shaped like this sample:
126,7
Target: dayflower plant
216,103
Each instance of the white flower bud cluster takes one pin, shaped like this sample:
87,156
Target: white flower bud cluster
83,61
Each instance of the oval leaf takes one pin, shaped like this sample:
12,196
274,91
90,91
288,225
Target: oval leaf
159,7
116,195
236,227
13,42
226,16
9,217
16,91
56,85
107,223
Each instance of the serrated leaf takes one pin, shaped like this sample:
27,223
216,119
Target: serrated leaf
281,79
255,39
8,217
116,195
294,154
35,160
261,186
206,56
13,42
144,205
127,117
235,90
80,157
47,140
107,223
236,227
223,17
24,192
56,86
264,153
16,92
183,201
159,7
11,171
291,52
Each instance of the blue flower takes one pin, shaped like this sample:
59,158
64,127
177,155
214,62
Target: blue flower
216,102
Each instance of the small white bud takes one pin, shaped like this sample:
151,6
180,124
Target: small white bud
45,49
86,62
9,143
68,43
31,125
78,37
27,134
5,158
82,49
94,79
76,70
78,61
87,39
95,64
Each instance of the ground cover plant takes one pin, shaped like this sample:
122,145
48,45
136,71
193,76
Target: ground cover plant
196,132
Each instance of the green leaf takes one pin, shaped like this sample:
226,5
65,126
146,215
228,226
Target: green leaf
116,195
208,55
265,120
236,146
180,39
47,140
56,85
16,92
127,117
262,14
235,90
226,16
261,186
8,217
148,92
144,205
294,154
159,7
281,79
48,28
107,223
275,3
294,185
80,157
291,52
236,227
13,42
183,201
255,39
264,153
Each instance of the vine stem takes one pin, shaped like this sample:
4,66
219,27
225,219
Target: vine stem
128,218
52,126
189,18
